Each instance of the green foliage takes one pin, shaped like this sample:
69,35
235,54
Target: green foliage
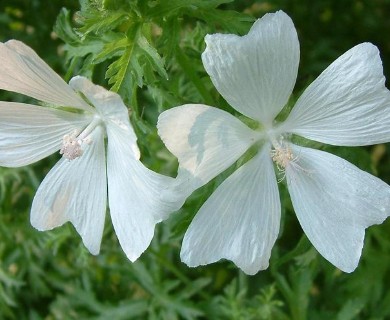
149,52
126,36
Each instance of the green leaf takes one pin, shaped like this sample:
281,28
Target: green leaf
74,46
152,55
351,309
231,21
64,29
101,21
113,47
301,248
121,74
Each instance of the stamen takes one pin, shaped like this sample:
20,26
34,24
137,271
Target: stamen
282,155
71,143
71,146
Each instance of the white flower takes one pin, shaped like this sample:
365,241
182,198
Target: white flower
347,105
75,189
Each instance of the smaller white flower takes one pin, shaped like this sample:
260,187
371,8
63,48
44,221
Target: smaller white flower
75,189
347,105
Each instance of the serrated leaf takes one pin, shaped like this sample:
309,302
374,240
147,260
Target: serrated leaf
170,38
101,21
82,50
121,75
113,47
137,72
162,97
164,8
63,27
74,46
152,55
231,21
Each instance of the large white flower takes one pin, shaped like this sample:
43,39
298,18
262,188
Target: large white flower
347,105
75,189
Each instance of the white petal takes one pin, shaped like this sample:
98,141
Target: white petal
335,202
110,105
134,194
348,104
206,140
24,72
29,133
240,221
255,73
75,191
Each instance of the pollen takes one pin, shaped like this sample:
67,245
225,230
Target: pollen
282,156
71,147
72,143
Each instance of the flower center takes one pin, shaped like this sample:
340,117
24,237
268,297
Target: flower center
71,146
282,157
72,143
281,154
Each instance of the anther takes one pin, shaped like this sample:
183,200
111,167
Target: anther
71,143
282,157
71,146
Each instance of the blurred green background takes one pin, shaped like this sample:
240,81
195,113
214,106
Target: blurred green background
52,276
